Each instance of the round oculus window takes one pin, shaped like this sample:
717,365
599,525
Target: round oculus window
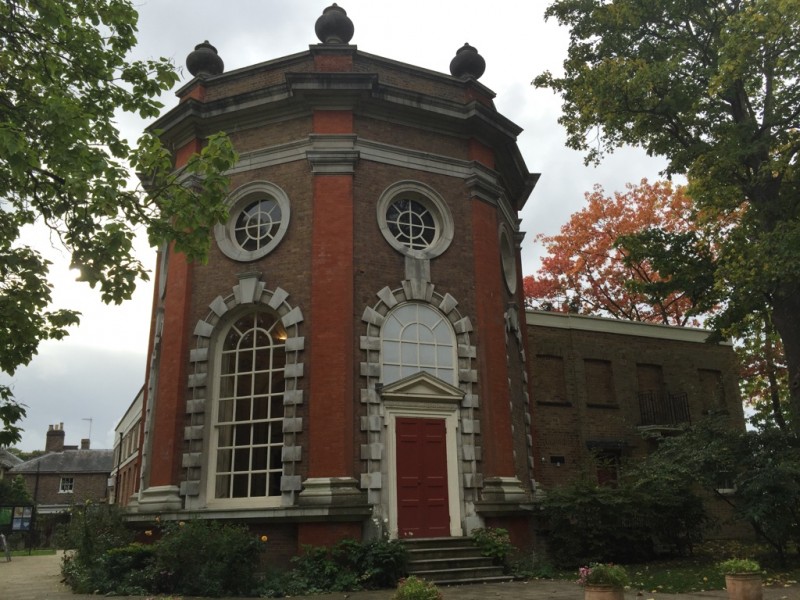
414,219
411,223
259,218
258,224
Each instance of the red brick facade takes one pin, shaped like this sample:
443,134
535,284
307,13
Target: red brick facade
374,242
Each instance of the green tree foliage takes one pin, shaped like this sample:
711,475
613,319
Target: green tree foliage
762,467
712,86
14,492
64,78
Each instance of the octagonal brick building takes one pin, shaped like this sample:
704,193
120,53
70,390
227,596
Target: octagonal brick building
351,360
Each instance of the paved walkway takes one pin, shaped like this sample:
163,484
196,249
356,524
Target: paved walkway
39,578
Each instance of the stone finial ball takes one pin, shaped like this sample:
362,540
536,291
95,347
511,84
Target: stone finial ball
467,61
204,61
334,26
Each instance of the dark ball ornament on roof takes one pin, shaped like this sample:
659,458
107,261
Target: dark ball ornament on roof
334,26
204,61
467,61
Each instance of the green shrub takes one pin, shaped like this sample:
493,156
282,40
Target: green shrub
92,532
494,543
735,566
347,566
637,520
205,558
413,588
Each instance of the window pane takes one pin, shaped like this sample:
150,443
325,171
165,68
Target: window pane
391,352
258,485
225,434
409,354
243,409
222,487
427,355
240,486
260,409
244,385
275,483
224,460
261,433
241,459
259,459
225,411
444,356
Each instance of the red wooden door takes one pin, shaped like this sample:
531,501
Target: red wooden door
422,502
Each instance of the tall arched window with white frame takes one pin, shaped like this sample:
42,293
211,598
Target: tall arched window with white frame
416,337
247,437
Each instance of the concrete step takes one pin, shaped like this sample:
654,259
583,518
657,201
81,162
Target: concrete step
442,564
462,575
451,561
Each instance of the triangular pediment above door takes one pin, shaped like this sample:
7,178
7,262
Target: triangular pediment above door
422,386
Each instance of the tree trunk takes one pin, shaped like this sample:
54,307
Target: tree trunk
786,317
772,377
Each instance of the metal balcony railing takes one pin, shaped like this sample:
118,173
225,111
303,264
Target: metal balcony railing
662,408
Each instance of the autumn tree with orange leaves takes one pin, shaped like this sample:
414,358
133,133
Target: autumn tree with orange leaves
587,270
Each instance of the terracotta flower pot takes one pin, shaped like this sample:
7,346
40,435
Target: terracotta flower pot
603,592
744,586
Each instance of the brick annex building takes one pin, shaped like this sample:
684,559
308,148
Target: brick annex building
352,361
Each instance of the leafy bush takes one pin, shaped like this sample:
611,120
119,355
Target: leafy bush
735,566
494,543
349,565
603,574
643,516
92,532
413,588
205,558
201,558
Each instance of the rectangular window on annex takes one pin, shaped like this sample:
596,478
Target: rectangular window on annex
549,383
66,486
711,389
599,378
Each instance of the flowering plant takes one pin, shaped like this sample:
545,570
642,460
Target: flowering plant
603,574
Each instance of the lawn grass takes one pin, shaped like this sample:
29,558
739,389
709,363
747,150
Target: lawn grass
699,572
36,552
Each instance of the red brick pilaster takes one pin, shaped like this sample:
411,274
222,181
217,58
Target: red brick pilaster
330,424
498,460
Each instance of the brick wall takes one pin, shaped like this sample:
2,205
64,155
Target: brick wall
599,375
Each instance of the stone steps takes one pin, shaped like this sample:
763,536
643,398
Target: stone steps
451,560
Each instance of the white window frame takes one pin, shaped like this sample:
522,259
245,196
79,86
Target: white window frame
241,198
446,349
66,485
433,202
273,423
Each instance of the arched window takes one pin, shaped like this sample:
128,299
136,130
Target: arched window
248,434
416,337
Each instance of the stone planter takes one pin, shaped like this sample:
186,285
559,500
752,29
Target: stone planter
744,586
603,592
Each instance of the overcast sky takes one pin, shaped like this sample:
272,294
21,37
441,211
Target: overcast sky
96,372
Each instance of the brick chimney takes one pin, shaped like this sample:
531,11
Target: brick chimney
55,439
84,443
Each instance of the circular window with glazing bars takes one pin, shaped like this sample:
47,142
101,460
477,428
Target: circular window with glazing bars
259,217
414,219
